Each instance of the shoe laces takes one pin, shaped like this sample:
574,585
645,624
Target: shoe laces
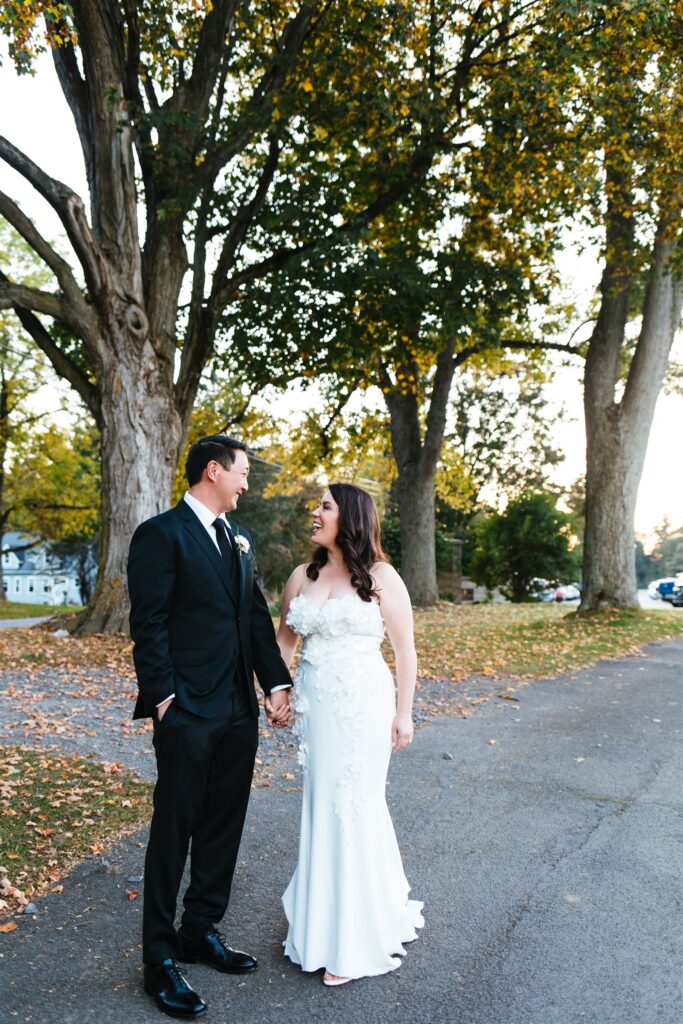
176,974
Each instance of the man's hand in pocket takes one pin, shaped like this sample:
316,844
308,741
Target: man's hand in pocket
163,708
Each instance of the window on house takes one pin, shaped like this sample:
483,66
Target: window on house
47,588
31,586
4,585
17,586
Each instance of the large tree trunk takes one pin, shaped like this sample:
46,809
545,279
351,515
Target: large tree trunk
609,577
617,432
415,497
417,459
141,435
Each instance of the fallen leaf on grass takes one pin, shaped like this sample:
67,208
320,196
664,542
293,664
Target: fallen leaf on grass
8,926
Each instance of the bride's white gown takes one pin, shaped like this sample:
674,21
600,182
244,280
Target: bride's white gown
347,903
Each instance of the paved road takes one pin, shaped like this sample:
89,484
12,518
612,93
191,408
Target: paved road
549,862
17,623
655,604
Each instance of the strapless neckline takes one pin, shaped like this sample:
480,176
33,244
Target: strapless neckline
330,600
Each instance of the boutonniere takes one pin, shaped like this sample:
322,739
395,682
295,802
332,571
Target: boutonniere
242,544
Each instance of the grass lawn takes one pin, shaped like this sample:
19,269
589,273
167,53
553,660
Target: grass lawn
530,640
56,810
17,610
453,641
36,647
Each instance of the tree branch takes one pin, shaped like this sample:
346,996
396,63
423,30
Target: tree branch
660,321
249,122
73,87
240,225
203,320
20,296
529,346
67,205
414,171
194,94
63,365
438,406
335,413
61,269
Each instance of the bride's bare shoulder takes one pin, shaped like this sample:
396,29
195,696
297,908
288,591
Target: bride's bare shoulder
298,574
384,573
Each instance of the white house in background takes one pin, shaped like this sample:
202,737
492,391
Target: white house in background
34,576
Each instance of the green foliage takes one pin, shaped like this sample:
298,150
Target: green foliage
499,441
280,523
21,23
19,610
53,485
646,565
667,555
359,197
276,507
530,540
49,475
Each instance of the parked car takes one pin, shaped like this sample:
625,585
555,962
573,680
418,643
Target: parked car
677,592
568,592
541,590
666,588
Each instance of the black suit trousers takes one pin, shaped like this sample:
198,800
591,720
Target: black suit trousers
204,773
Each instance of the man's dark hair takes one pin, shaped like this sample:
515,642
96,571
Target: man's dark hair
214,448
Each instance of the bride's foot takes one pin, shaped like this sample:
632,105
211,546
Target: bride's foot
334,979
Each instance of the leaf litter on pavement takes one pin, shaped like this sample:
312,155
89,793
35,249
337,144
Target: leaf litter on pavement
58,807
56,810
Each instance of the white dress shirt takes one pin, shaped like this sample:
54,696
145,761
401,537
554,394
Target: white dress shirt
207,518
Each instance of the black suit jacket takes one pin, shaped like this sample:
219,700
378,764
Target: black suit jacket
193,634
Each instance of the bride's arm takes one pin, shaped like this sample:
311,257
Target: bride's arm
286,638
397,613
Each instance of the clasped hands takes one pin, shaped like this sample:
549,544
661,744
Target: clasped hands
278,711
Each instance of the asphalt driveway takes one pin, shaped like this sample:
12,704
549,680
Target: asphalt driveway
544,835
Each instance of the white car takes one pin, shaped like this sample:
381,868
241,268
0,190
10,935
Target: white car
653,590
568,592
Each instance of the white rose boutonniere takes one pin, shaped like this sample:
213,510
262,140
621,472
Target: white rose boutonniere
242,544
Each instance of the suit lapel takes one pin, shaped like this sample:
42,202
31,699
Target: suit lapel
199,534
240,562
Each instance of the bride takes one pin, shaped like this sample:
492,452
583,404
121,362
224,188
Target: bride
347,903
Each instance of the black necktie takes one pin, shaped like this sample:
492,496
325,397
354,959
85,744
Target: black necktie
228,549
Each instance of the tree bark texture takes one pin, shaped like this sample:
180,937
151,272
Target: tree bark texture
617,432
141,435
416,459
415,498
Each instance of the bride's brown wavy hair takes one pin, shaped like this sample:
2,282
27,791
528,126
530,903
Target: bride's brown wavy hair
359,537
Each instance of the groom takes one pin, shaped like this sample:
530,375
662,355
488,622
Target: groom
201,627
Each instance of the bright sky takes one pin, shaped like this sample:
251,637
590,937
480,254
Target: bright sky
35,117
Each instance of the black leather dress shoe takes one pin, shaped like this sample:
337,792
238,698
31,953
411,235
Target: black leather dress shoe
211,949
170,990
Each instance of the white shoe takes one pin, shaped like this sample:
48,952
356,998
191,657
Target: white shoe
334,979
